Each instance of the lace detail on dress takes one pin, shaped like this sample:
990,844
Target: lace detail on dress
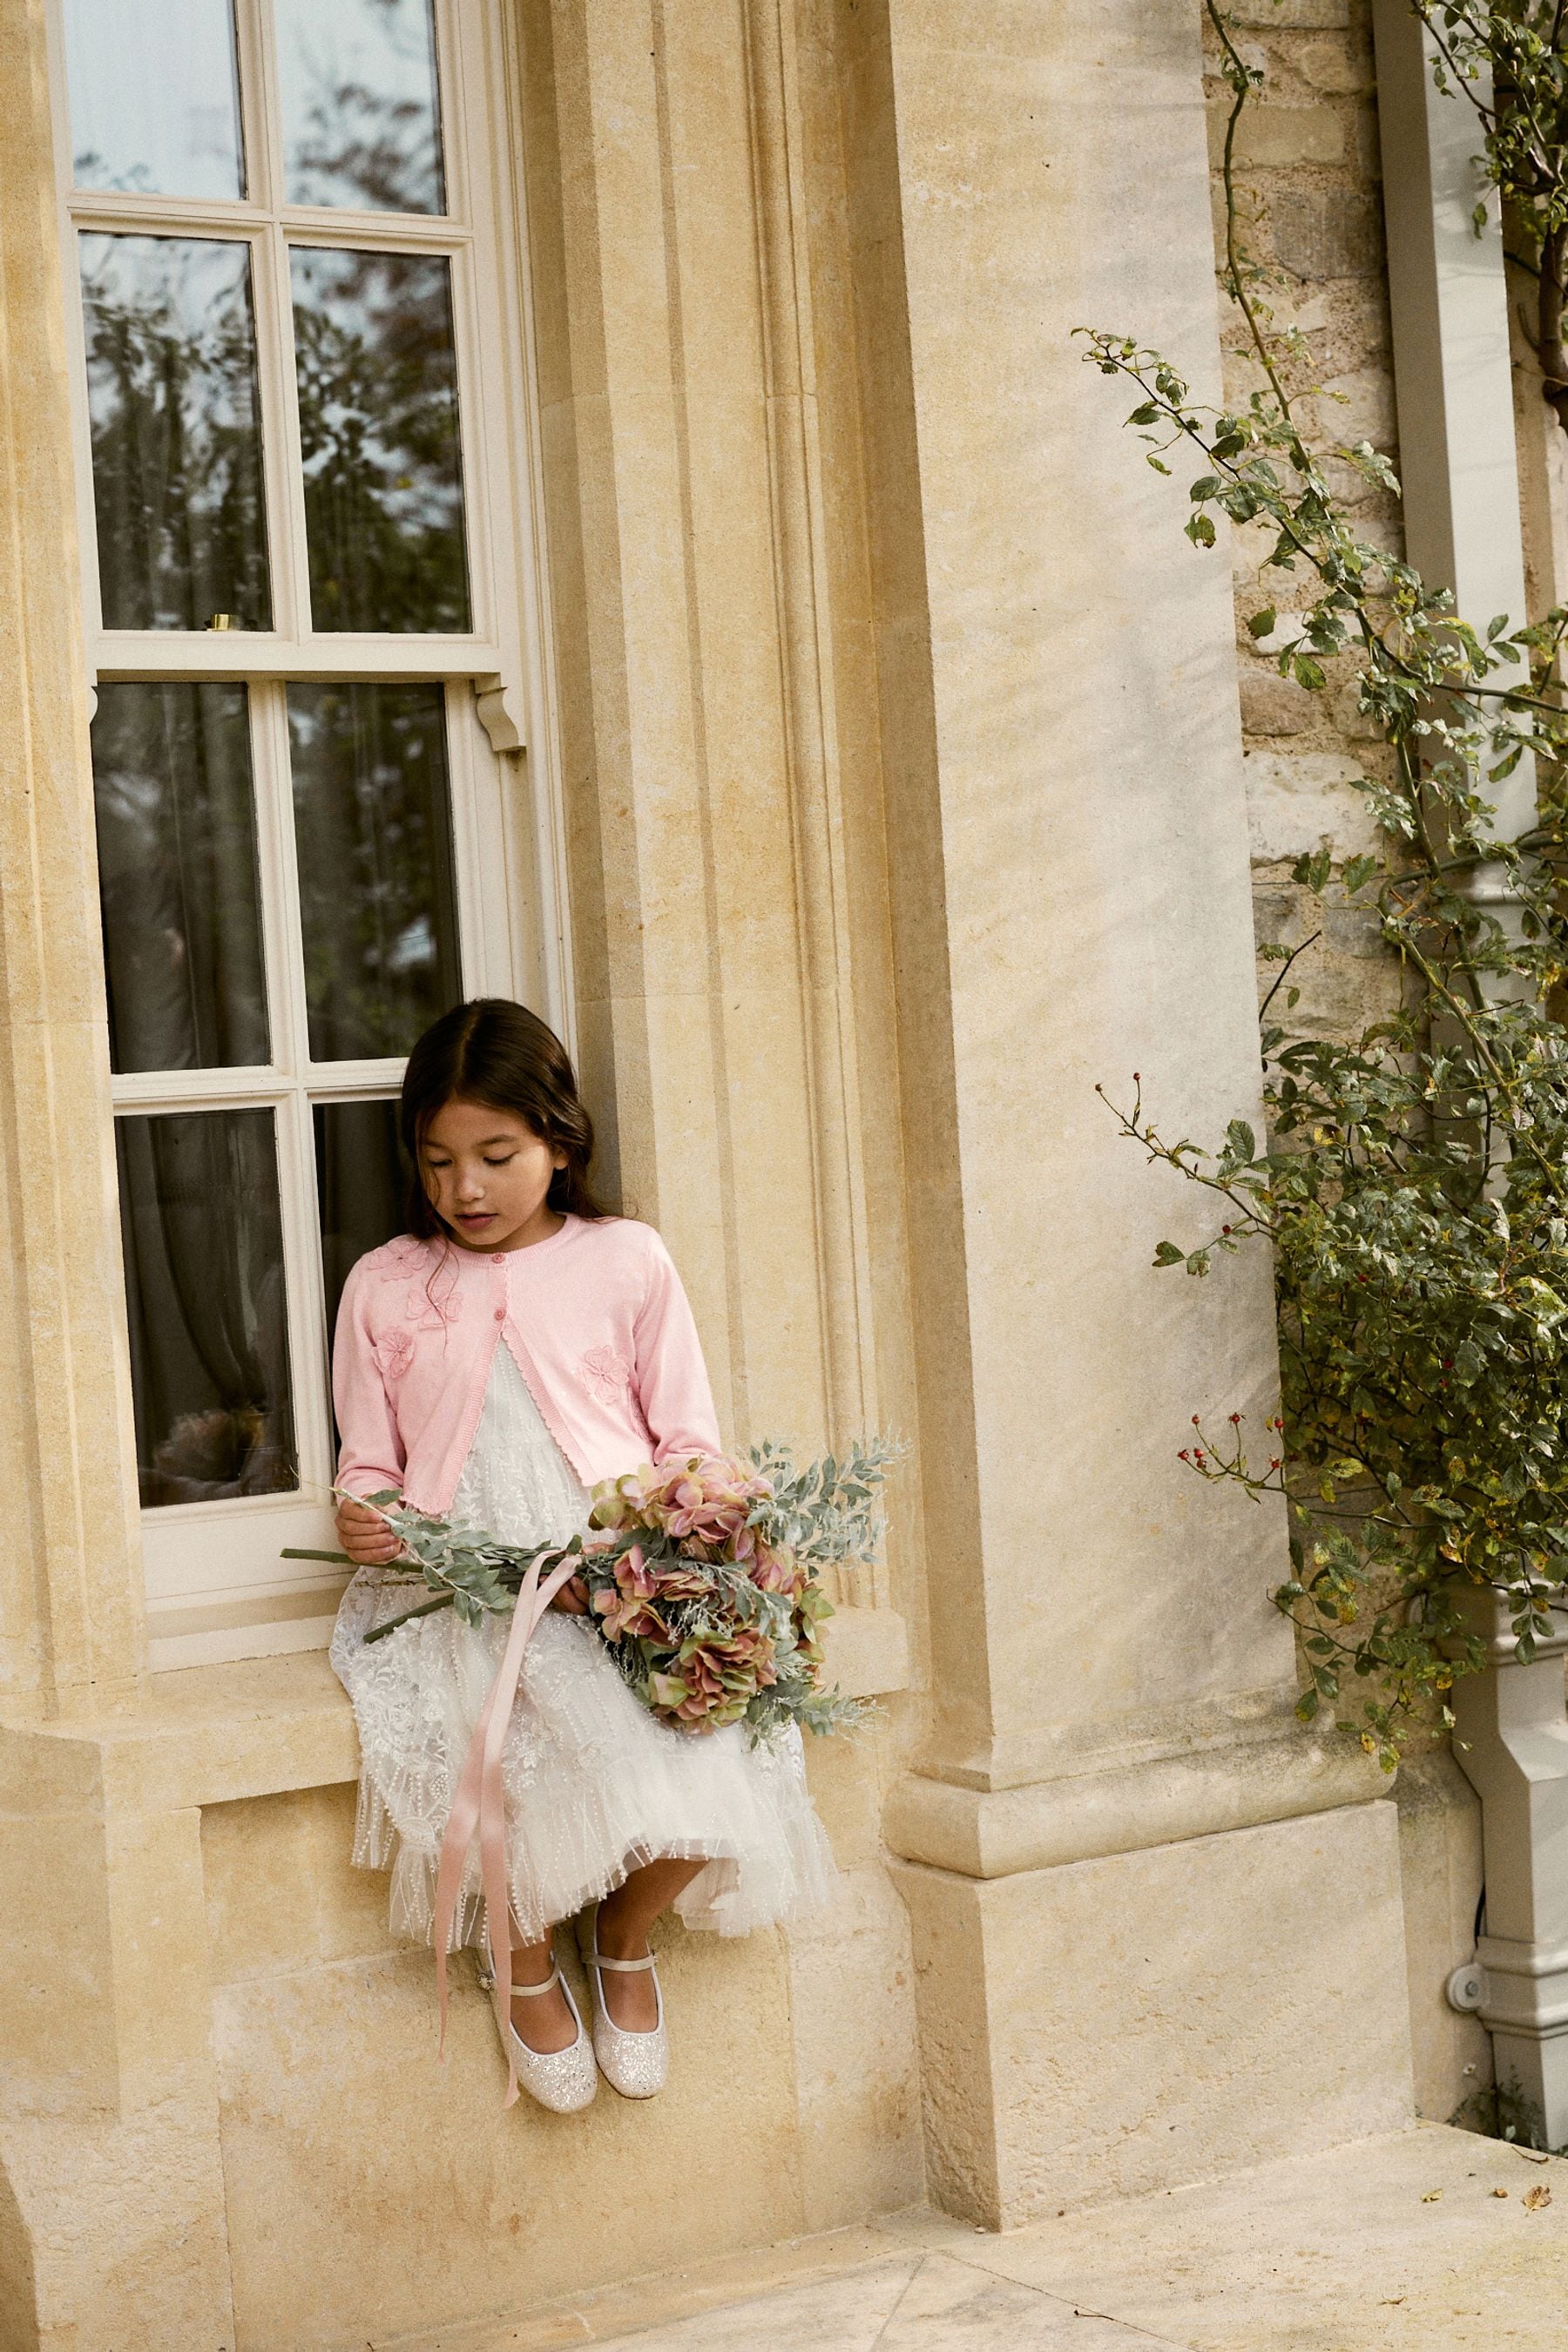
594,1786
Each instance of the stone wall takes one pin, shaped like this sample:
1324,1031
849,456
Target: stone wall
1310,183
1308,170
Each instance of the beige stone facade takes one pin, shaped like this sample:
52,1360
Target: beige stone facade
905,784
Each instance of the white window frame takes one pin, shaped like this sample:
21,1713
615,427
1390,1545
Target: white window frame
216,1587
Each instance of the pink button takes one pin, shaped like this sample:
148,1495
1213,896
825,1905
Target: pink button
500,1314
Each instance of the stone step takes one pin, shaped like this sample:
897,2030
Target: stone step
1420,2240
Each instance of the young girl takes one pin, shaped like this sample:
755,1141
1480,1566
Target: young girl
515,1347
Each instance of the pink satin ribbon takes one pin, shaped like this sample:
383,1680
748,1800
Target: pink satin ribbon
480,1802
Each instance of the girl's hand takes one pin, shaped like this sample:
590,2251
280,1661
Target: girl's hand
365,1536
573,1598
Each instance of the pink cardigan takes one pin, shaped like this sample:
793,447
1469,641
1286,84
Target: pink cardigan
595,1318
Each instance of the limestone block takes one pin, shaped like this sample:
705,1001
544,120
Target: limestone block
1440,1874
1271,705
1298,802
866,1651
112,2228
1356,407
1347,978
858,2077
280,1889
1291,14
1270,135
1338,65
371,2191
845,1777
1333,232
111,2191
1125,2025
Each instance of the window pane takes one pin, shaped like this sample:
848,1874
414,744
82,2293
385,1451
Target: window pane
373,822
176,446
209,1328
360,1179
360,122
177,878
154,98
378,420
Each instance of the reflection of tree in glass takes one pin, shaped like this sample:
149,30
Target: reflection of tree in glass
177,459
378,425
359,116
177,879
374,826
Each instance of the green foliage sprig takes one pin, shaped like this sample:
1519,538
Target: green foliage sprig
1413,1185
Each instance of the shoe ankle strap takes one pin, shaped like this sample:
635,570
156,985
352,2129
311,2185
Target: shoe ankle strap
622,1967
530,1992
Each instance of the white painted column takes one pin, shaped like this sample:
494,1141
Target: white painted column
1459,466
1448,305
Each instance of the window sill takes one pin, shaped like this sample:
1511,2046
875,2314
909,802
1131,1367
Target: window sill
207,1735
258,1726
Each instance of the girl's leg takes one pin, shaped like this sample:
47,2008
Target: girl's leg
545,2022
625,1918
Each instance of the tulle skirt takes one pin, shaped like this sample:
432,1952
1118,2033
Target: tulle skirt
594,1785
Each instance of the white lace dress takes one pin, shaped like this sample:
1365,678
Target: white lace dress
594,1786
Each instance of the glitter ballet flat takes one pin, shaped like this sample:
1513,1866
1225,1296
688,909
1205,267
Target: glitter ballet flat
635,2065
562,2080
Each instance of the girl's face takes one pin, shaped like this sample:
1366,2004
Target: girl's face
487,1174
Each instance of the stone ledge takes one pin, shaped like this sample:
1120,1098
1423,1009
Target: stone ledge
258,1726
1123,1809
206,1735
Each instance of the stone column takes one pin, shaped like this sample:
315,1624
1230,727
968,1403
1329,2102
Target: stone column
72,1616
111,2175
1157,1926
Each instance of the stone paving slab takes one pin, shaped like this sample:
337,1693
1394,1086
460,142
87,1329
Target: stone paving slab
1402,2244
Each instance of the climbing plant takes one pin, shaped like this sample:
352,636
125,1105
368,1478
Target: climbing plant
1413,1182
1511,64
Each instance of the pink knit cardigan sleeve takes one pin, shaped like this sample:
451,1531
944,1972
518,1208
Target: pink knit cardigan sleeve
371,1456
672,1377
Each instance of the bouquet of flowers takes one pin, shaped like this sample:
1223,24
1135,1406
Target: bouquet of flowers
703,1578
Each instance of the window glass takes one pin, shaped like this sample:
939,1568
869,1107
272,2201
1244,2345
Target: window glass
177,877
373,829
361,1180
204,1279
361,120
378,425
155,98
176,446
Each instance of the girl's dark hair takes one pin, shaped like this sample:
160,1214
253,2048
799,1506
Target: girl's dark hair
494,1052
